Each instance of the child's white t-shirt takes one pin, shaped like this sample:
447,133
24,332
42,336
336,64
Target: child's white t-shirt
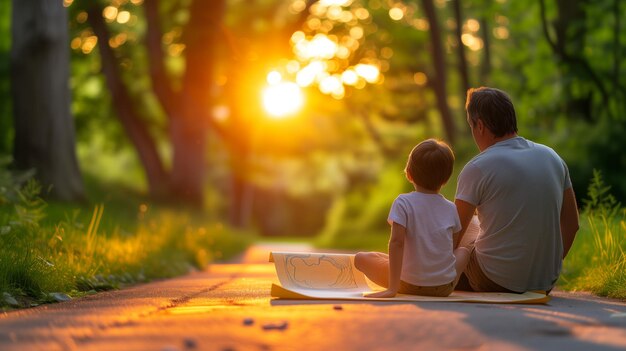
430,220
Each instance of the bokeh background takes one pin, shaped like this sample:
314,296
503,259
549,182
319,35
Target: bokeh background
286,118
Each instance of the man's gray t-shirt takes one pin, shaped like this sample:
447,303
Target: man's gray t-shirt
517,187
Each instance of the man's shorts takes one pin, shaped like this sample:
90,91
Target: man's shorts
474,279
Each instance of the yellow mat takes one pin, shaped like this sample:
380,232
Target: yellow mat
330,276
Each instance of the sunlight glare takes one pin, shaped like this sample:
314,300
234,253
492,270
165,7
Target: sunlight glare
356,32
307,75
282,99
332,85
297,37
361,13
297,6
221,112
293,66
472,25
334,13
420,78
321,46
335,2
396,13
123,17
349,77
274,77
474,43
369,72
501,32
109,13
421,24
343,52
76,43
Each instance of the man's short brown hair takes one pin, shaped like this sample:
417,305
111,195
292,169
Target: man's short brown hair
430,164
492,106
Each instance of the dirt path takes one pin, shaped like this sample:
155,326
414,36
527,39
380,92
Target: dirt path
228,307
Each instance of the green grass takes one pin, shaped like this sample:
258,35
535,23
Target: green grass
597,260
81,249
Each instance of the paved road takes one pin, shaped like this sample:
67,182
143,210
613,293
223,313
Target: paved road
228,307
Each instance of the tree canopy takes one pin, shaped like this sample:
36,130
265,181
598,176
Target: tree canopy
231,104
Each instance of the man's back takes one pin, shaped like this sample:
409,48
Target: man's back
517,186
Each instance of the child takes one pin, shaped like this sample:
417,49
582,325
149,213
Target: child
421,259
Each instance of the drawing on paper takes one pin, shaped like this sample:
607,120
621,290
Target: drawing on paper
312,271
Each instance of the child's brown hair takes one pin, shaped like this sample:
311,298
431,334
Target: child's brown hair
430,164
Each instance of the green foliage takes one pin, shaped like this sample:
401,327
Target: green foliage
597,260
586,147
6,122
599,199
358,219
43,258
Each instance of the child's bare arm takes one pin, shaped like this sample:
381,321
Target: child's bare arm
466,212
396,252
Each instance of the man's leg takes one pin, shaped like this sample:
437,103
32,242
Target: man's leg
471,234
375,266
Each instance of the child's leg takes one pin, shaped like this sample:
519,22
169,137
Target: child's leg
375,266
463,253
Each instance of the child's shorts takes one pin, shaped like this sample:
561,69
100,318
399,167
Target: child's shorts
438,291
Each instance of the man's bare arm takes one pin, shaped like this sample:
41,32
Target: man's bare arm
569,220
466,212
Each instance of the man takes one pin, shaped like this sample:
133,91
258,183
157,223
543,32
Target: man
523,197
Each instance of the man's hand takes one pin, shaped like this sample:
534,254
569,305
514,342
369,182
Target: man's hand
383,294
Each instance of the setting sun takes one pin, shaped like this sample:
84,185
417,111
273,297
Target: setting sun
282,99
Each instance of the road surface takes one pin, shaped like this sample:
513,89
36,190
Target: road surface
228,307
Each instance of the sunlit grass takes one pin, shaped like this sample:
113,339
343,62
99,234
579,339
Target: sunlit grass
597,260
75,256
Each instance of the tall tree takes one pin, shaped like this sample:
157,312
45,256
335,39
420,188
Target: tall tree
44,130
134,126
186,100
462,61
187,109
485,66
440,79
568,46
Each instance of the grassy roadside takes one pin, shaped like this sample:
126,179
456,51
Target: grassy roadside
53,252
597,260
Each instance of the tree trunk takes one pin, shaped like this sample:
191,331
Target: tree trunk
568,47
439,82
189,130
44,130
485,66
462,64
241,198
158,180
617,57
